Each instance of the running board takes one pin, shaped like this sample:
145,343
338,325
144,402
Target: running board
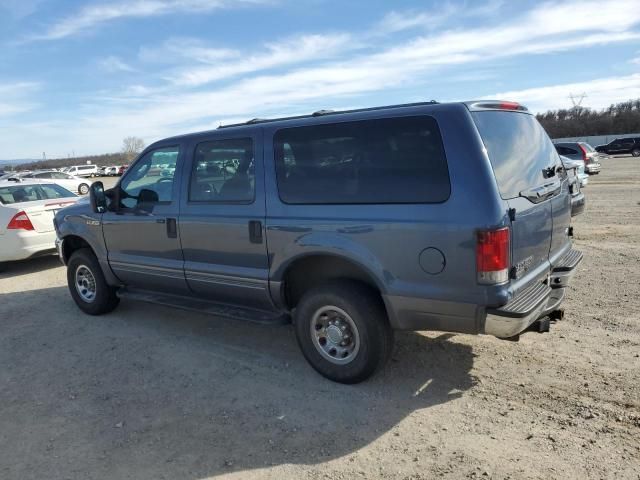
203,306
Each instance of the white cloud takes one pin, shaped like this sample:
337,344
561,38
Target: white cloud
113,64
396,21
601,93
292,51
14,98
176,50
93,15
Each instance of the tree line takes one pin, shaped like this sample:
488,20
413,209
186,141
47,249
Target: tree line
131,147
617,119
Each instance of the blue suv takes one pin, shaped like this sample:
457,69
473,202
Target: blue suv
452,217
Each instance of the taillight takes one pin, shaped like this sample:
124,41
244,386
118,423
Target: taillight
492,256
584,154
20,221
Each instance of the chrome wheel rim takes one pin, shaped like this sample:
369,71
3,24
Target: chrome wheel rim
84,189
335,335
85,284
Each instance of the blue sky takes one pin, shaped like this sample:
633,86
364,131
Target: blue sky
77,77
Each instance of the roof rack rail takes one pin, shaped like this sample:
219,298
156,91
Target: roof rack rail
319,113
322,112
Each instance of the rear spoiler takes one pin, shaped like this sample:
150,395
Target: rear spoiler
496,105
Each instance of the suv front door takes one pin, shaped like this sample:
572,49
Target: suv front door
222,217
140,227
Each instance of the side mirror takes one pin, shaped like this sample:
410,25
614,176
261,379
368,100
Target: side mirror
97,197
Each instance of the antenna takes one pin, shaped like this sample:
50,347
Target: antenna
576,100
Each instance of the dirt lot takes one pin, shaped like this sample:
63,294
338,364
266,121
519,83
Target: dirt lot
153,393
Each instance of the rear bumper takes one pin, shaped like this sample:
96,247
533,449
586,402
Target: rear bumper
20,245
592,167
584,179
534,302
578,202
514,317
565,268
530,304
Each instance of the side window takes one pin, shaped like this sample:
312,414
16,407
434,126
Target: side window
44,175
59,176
563,150
54,191
150,180
391,160
223,171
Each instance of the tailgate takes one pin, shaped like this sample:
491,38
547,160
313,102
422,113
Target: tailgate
528,173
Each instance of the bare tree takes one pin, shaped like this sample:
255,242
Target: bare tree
131,147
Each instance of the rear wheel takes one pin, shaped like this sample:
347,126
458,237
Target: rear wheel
87,284
83,189
636,152
343,331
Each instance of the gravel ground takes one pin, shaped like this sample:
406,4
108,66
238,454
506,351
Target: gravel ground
152,393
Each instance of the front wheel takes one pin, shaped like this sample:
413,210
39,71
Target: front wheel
343,331
87,284
636,152
83,189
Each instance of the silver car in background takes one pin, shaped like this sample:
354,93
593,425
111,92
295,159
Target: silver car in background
572,167
581,151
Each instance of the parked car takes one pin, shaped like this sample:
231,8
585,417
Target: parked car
413,217
122,169
621,146
581,151
27,210
84,171
74,184
572,168
111,171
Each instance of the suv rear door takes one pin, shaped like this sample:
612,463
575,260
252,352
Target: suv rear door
531,179
222,216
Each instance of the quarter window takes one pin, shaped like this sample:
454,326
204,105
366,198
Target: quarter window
223,171
392,160
150,180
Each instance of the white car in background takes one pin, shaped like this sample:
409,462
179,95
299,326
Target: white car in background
111,171
27,209
75,184
83,171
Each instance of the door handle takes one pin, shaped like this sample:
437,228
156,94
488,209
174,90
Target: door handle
255,231
172,228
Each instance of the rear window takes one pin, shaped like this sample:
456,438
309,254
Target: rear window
519,150
588,147
394,160
31,193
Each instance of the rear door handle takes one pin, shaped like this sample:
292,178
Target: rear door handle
172,228
255,231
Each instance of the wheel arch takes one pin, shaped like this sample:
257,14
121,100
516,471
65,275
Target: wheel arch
311,269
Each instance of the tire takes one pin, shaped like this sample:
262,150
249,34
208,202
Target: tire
104,298
83,189
635,152
369,336
3,267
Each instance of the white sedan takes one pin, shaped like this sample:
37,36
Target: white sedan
27,209
75,184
